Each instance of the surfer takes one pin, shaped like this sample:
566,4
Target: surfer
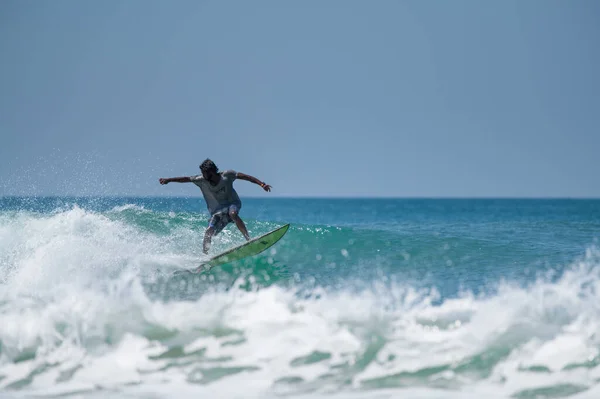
222,200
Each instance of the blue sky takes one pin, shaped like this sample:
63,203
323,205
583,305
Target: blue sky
317,98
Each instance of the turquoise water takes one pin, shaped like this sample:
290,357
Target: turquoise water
362,298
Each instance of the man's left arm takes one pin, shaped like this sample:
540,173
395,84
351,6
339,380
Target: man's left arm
252,179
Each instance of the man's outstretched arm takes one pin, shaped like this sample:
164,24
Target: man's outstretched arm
254,180
183,179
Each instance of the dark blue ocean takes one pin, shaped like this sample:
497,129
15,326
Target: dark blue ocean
362,298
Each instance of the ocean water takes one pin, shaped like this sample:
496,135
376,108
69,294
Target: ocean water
363,298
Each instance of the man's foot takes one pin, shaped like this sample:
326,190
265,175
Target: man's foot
199,269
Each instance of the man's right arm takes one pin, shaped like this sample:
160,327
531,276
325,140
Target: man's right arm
184,179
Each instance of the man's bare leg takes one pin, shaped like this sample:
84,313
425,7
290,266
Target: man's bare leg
210,232
240,224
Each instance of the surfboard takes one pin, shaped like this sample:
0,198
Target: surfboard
247,249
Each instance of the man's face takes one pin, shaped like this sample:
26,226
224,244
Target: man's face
209,174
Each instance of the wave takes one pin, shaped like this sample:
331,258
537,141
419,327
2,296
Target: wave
539,342
87,307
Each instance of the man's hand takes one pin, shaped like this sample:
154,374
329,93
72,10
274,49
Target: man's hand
163,181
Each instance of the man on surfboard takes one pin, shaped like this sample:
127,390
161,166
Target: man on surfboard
222,200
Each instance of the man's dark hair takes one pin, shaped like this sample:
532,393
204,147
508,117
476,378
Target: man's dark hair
208,165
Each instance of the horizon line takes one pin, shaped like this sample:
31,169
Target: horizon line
319,197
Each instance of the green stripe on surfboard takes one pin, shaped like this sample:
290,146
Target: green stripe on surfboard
249,248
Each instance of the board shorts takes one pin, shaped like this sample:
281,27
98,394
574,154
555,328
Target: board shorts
221,218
